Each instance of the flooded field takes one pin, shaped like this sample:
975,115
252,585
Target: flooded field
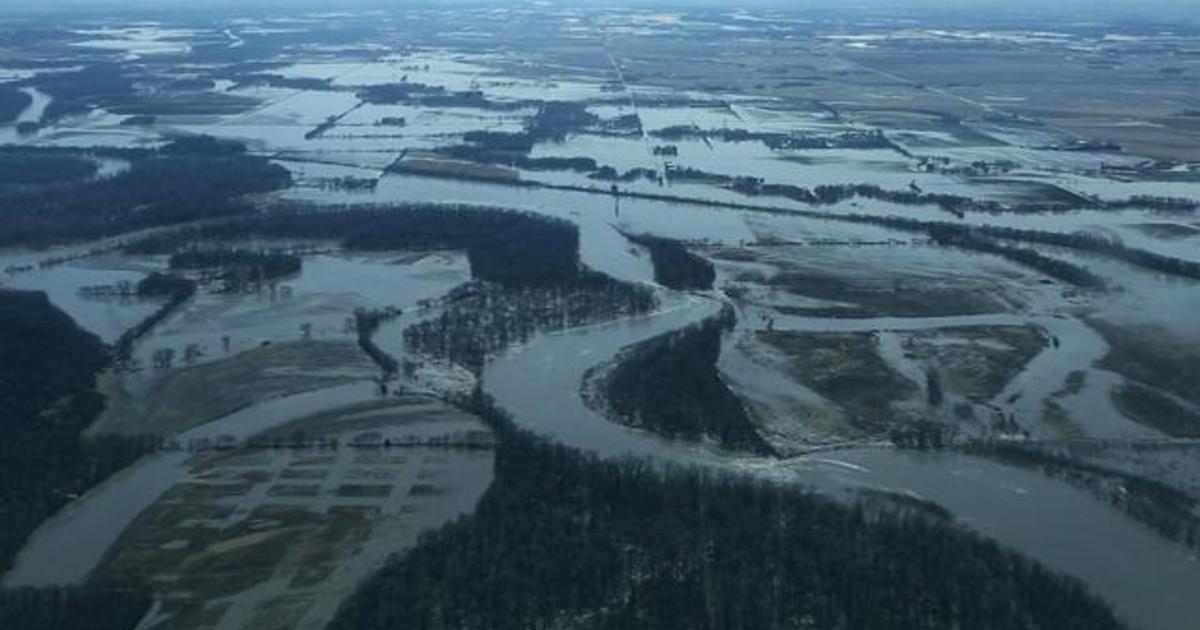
318,516
899,252
96,292
1038,516
314,305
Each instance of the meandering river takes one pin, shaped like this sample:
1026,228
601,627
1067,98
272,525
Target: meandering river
1152,583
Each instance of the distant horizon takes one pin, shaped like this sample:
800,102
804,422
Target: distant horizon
1087,8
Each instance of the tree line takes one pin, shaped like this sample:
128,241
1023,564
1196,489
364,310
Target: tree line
237,267
516,158
413,93
174,185
864,139
670,385
1099,245
674,266
977,237
366,323
13,103
1053,267
35,168
1083,242
564,539
1171,512
480,319
79,91
176,289
47,398
72,608
504,246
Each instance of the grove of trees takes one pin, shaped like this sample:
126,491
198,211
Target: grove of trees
670,385
31,168
481,319
504,246
674,266
46,400
12,103
72,608
176,184
563,539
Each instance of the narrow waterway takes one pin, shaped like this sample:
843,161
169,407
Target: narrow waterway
32,114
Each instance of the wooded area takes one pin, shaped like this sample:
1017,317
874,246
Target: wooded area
12,103
72,608
238,266
670,385
180,183
31,168
504,246
674,266
563,539
46,400
481,320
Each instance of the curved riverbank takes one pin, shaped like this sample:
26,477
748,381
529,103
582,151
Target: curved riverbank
1048,520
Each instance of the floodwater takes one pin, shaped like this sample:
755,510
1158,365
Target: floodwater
74,543
32,114
1148,580
1169,233
106,316
66,548
321,298
599,220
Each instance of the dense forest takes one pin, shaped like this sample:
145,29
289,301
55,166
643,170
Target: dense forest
72,608
564,540
670,385
555,119
182,182
237,267
12,103
516,158
481,319
32,168
674,266
46,400
79,91
514,248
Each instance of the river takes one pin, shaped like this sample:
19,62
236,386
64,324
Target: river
32,114
1150,582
